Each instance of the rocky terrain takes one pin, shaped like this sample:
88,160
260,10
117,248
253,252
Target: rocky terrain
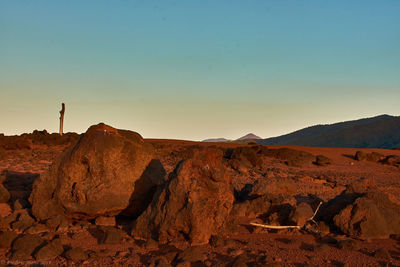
111,198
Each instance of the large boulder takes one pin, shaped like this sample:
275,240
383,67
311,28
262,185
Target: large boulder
371,216
363,211
108,171
192,205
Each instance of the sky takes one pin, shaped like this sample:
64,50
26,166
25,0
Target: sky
197,69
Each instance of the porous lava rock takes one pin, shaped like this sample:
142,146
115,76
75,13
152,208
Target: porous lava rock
108,171
321,160
373,156
363,211
301,214
392,160
251,208
192,205
243,158
292,157
4,194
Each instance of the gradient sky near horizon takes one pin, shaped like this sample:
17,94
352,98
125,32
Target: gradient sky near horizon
197,69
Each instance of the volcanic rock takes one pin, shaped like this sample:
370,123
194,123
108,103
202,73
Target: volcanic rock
107,172
243,157
76,254
374,156
105,221
24,221
6,238
370,216
363,211
4,194
24,246
192,205
51,250
251,208
273,187
392,160
321,160
291,157
20,204
300,214
111,235
192,254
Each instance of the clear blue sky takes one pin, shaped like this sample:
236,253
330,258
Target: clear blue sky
197,69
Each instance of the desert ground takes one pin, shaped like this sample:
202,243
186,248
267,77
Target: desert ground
111,198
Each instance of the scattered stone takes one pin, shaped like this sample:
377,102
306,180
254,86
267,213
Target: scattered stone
112,236
24,221
217,241
251,208
184,264
382,254
322,160
76,254
6,238
37,229
242,261
4,194
5,210
291,157
348,244
57,222
323,228
192,254
300,214
50,251
392,160
374,156
20,204
105,221
24,246
151,244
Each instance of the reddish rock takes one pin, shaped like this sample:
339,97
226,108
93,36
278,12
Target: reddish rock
300,214
291,157
105,221
107,172
370,216
193,205
321,160
251,208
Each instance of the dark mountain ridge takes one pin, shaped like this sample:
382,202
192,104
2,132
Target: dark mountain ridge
377,132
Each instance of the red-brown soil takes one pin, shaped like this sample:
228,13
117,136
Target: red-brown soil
249,246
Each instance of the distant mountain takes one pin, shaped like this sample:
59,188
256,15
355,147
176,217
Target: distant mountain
216,140
249,136
376,132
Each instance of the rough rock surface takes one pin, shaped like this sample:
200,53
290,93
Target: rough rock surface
107,172
321,160
363,211
300,214
76,254
370,216
4,194
192,205
24,246
50,250
251,208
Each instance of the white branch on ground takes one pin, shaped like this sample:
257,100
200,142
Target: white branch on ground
279,227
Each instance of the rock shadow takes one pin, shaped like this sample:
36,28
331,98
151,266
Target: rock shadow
19,184
145,187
